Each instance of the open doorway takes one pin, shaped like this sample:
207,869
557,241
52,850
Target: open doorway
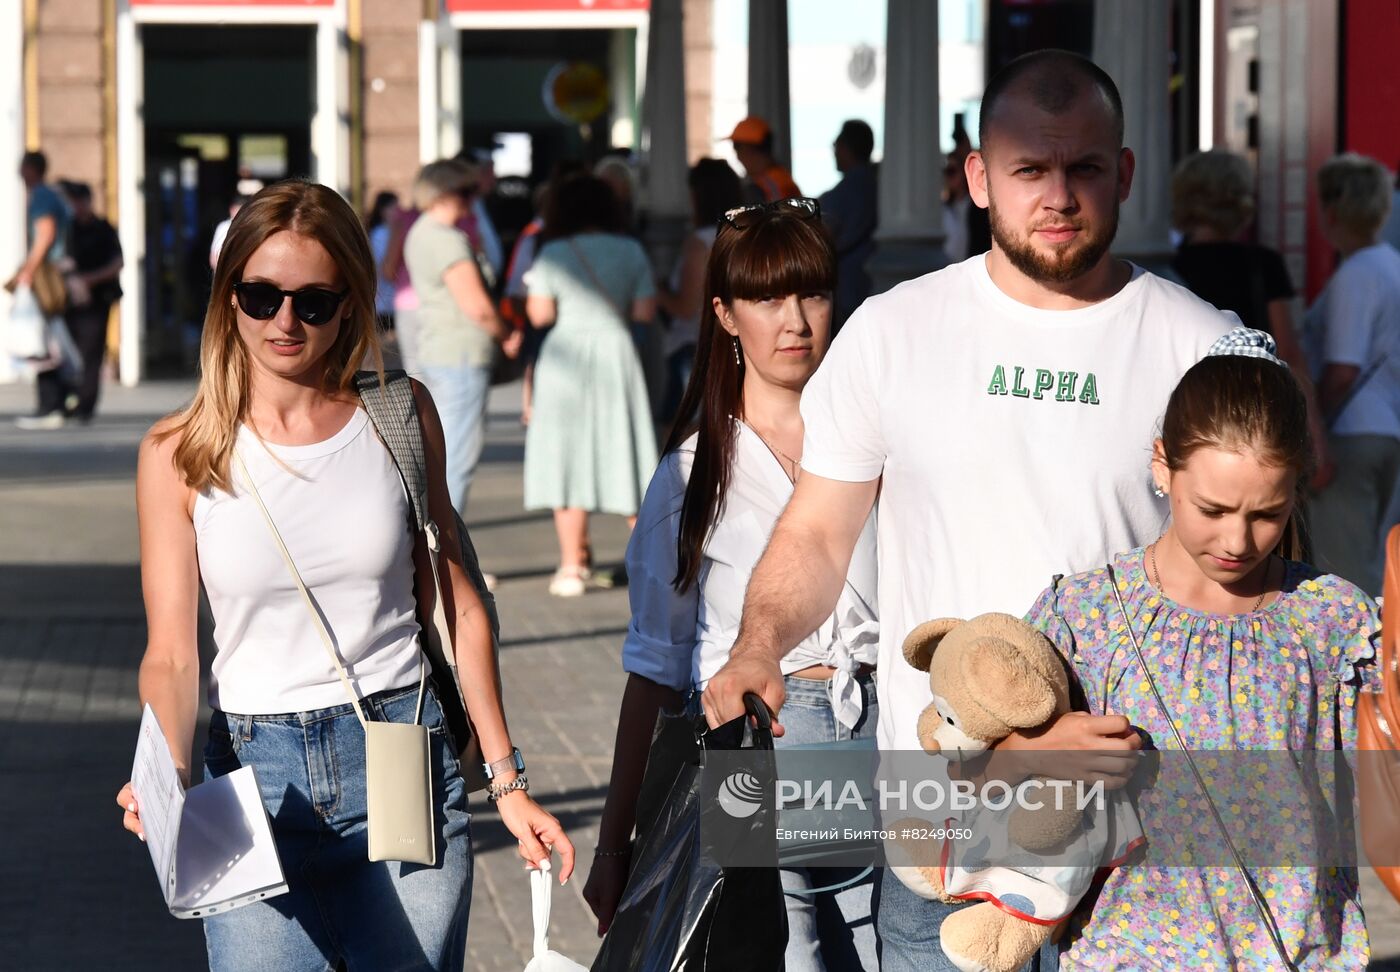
227,109
508,79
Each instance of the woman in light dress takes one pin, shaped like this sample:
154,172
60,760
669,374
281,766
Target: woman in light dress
591,445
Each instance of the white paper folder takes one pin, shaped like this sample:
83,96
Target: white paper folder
211,845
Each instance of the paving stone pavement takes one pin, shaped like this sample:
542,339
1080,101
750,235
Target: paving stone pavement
75,891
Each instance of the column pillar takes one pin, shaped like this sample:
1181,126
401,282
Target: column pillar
665,192
12,38
1130,43
449,118
330,125
768,72
439,87
131,197
389,95
909,240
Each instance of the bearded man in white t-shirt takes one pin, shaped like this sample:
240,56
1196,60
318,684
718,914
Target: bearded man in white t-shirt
1003,411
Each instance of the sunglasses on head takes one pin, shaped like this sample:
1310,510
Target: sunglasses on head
311,305
742,217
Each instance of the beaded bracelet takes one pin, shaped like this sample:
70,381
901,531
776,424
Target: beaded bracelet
496,791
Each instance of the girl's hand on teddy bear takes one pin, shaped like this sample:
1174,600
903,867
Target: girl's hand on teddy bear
1086,747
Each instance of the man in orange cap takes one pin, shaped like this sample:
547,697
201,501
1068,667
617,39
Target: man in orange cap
753,144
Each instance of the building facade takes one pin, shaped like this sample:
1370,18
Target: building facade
168,107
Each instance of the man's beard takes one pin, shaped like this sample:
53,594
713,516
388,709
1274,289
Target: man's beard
1063,265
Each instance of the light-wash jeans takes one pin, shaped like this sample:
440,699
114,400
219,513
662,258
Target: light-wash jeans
828,931
908,928
342,906
460,395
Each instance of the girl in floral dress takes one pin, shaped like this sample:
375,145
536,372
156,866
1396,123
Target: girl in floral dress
1252,650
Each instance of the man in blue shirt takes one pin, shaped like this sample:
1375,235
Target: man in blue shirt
850,210
47,219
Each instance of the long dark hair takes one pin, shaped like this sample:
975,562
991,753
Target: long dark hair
376,216
1230,401
715,188
781,253
579,204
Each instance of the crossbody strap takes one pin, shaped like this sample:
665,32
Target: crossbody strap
311,606
1265,915
441,632
597,283
1356,387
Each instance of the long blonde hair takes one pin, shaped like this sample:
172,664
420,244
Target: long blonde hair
208,427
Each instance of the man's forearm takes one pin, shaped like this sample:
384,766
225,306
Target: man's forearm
104,273
490,322
35,259
792,591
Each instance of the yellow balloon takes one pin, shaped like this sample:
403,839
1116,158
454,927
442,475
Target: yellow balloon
576,92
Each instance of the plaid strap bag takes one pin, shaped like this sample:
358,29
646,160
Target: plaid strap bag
394,413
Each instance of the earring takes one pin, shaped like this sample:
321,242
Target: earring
1158,491
738,358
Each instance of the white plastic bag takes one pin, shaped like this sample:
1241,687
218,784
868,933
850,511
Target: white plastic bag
25,336
545,960
63,351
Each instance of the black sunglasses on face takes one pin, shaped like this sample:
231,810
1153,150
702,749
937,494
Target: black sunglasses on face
311,305
742,217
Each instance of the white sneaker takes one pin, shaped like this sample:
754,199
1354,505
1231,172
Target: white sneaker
40,423
569,582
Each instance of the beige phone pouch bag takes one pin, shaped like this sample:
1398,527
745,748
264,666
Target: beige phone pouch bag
398,757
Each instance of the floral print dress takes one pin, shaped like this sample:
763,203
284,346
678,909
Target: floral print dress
1285,677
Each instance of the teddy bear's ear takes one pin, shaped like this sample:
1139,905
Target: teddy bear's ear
919,646
1007,684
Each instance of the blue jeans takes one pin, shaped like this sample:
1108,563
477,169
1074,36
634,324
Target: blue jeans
908,930
828,931
460,396
341,906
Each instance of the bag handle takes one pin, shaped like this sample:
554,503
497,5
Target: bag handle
759,732
315,614
540,895
1264,914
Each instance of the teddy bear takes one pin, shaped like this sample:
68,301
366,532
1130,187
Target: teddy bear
1030,865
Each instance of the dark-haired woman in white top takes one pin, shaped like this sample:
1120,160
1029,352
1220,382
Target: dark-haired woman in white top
728,471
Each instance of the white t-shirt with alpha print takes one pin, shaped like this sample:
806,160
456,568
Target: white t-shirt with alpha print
1014,443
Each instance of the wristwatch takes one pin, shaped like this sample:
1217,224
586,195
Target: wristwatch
514,761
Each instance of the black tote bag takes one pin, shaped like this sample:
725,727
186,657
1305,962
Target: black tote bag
682,911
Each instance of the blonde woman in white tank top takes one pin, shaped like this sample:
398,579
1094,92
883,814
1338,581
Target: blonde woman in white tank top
291,316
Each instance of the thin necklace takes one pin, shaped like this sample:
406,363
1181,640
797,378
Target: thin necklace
780,455
1157,577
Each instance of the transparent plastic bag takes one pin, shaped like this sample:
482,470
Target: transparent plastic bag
26,335
545,960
